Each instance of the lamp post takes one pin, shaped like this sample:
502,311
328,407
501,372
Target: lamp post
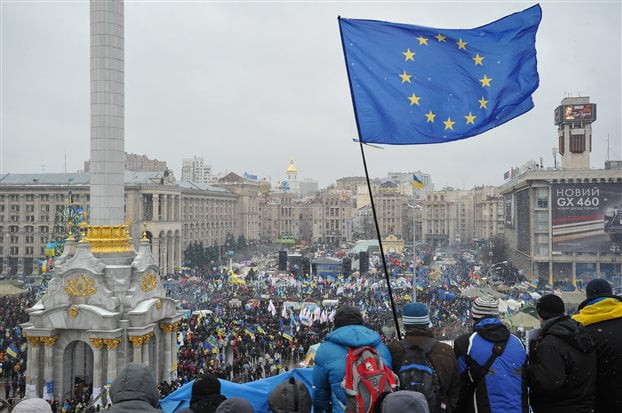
414,207
615,250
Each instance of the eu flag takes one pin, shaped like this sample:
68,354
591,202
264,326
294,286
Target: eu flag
418,85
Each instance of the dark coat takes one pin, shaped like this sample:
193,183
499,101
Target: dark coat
504,388
442,359
602,319
134,390
562,368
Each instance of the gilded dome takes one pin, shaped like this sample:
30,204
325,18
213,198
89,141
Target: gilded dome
292,169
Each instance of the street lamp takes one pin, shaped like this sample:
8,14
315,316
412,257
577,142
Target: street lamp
615,250
494,266
414,207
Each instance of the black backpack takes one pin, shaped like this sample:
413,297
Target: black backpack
417,373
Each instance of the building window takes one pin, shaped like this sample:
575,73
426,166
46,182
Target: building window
29,197
45,208
14,218
14,197
29,228
14,250
561,144
30,218
44,197
577,143
43,240
30,239
30,208
13,239
13,229
29,250
14,208
542,198
542,221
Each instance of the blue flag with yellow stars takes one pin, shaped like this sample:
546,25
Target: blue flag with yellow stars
417,85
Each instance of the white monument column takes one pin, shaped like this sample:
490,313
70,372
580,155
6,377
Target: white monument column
32,367
137,342
112,344
146,350
48,367
166,343
173,365
97,344
107,163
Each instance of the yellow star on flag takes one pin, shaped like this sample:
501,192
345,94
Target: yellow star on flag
440,38
478,60
405,77
409,55
482,103
430,116
422,40
414,99
449,124
470,118
461,44
485,81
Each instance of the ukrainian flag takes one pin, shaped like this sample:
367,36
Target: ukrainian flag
417,183
12,351
288,335
249,331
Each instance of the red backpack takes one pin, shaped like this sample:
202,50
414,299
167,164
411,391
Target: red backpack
367,380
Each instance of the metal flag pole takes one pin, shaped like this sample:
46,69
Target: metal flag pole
384,261
371,198
414,243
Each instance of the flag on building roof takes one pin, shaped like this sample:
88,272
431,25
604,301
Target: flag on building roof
419,85
417,183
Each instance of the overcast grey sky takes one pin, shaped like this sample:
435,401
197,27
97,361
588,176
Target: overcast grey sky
249,86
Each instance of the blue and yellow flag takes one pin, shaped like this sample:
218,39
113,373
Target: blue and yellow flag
249,331
417,183
287,334
12,350
418,85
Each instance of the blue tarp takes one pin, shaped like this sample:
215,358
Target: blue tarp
256,392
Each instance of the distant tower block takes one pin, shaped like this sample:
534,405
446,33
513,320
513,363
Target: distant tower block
574,119
107,161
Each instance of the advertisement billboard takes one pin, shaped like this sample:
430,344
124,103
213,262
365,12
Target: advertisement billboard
586,217
508,201
571,113
523,222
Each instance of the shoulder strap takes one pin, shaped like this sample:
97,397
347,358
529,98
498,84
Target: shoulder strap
478,372
429,345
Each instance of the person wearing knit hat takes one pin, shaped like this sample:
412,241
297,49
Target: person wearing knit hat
490,349
206,395
485,307
235,405
562,363
601,314
330,366
32,406
404,401
420,337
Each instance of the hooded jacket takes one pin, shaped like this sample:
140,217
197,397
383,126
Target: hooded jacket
134,390
442,358
503,389
562,368
330,364
602,318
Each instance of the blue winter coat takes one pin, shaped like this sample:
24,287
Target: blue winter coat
330,364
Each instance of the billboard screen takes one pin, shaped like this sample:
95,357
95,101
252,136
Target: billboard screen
523,223
509,210
587,217
579,112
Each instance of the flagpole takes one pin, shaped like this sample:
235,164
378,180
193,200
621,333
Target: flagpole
414,242
371,196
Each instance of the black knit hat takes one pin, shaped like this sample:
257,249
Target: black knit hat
597,288
348,315
205,385
550,306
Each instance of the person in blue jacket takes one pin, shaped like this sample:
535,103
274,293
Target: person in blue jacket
499,387
330,359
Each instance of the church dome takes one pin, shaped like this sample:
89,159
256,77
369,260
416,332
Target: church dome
292,169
